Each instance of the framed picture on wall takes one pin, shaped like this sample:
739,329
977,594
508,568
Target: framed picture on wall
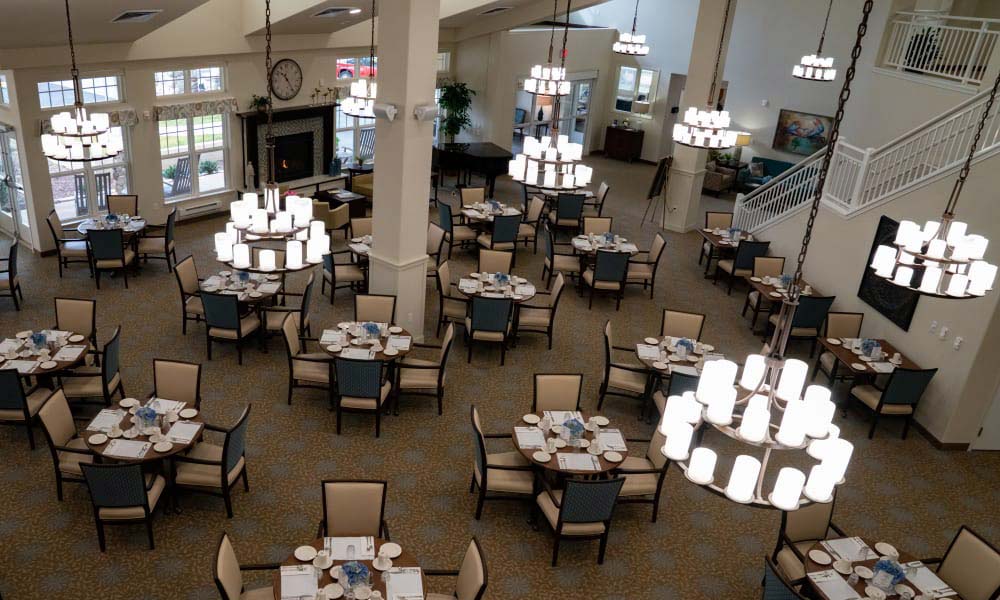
801,133
895,303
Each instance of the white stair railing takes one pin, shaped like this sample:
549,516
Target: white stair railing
945,46
779,196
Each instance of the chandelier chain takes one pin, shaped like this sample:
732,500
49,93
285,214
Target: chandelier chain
269,136
371,49
635,17
822,37
557,101
552,29
964,173
718,55
69,31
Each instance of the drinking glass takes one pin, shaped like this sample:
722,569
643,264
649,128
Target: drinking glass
350,552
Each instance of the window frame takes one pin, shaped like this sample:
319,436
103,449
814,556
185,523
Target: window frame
357,124
89,168
651,99
4,91
194,155
119,87
186,75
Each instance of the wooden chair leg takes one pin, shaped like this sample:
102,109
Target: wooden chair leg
604,546
555,550
149,532
100,536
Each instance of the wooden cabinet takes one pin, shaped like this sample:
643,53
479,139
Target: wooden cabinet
623,143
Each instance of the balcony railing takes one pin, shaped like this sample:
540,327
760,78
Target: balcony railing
953,48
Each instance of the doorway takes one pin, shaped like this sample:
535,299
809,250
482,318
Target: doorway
533,114
13,206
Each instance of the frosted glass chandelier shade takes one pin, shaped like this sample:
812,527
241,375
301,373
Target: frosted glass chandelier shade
815,68
361,102
80,136
631,44
551,163
708,129
547,80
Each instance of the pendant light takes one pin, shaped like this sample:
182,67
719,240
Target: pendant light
361,103
708,129
78,135
771,408
815,67
548,79
940,259
632,44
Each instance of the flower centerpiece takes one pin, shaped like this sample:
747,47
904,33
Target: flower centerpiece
687,344
146,417
868,346
38,340
111,218
888,573
575,429
244,276
355,573
371,330
609,238
494,207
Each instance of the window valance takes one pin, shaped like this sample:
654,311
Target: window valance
125,117
199,108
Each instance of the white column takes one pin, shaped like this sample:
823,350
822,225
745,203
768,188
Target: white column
687,173
407,73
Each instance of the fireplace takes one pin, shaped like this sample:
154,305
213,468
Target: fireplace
293,156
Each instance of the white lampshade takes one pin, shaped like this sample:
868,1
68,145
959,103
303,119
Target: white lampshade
838,456
793,377
756,421
678,443
691,408
266,260
293,255
317,229
819,487
817,448
302,236
701,468
788,489
819,411
792,431
258,220
283,222
720,408
315,249
981,277
957,285
301,209
884,261
753,371
241,256
931,280
271,199
715,376
743,479
956,233
904,276
223,247
234,235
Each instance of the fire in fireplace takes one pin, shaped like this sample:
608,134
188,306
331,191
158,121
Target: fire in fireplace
293,157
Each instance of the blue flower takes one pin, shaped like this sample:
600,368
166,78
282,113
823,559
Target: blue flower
146,414
892,568
574,427
371,328
38,339
355,572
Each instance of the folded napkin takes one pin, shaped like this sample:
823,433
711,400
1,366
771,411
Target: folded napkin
358,353
529,437
332,336
927,580
558,417
833,585
299,581
269,288
9,344
23,366
404,584
183,432
850,548
69,353
524,290
578,461
612,439
127,449
106,419
364,547
468,285
648,352
400,342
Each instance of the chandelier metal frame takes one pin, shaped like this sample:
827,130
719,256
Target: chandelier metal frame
360,104
549,80
816,67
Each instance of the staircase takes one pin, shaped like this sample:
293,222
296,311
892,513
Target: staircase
861,179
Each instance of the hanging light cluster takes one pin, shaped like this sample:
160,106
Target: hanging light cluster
76,134
549,79
306,240
632,43
708,129
550,163
361,102
816,67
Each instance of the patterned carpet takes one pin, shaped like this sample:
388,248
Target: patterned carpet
904,492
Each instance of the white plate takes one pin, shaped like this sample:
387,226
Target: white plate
613,456
584,443
189,413
886,549
156,438
674,358
775,294
693,358
594,449
115,434
474,275
531,419
130,433
210,288
652,341
49,364
334,590
392,549
874,593
901,587
97,438
541,456
560,443
517,297
273,277
842,566
357,240
344,325
707,230
833,341
600,420
707,347
305,553
379,566
132,410
819,557
557,429
590,426
859,366
255,294
390,351
395,329
355,342
128,402
363,592
660,365
335,348
755,279
866,358
896,362
864,572
76,338
163,446
225,273
23,334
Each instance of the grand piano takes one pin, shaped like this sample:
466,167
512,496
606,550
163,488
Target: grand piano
482,158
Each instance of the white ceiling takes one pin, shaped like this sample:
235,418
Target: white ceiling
33,23
304,22
468,17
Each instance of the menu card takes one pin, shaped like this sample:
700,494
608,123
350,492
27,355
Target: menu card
849,548
927,580
529,437
648,352
69,353
468,285
106,419
23,366
364,547
182,432
400,342
269,288
333,336
162,406
684,370
404,584
833,586
558,417
299,581
578,461
612,439
127,449
357,353
524,290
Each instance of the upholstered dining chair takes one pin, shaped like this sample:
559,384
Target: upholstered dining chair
898,398
472,195
608,275
107,248
763,266
538,315
160,246
228,574
582,510
741,265
839,325
123,204
567,212
425,377
494,261
596,225
177,380
361,386
680,324
122,495
620,379
224,323
360,227
212,469
378,308
971,566
497,475
527,231
78,315
67,447
489,320
643,265
808,320
714,220
799,530
644,476
594,206
19,406
274,316
305,370
778,587
192,308
69,250
454,234
557,391
472,576
452,306
354,507
97,381
329,216
503,235
435,243
567,263
340,275
10,283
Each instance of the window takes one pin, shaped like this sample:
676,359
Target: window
80,189
4,94
188,81
355,137
95,90
443,62
193,155
636,90
356,67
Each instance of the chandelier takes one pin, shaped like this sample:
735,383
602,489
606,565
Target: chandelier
939,259
708,129
632,44
815,67
549,79
361,102
76,134
770,386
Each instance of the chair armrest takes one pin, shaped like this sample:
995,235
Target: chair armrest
285,309
197,461
637,440
836,528
385,530
634,369
788,542
263,567
496,435
440,572
639,471
419,345
311,359
403,365
626,348
85,451
931,561
548,490
210,427
71,374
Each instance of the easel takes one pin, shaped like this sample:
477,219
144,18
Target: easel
654,198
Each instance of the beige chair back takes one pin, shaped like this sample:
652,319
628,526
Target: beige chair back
322,212
187,275
444,278
809,522
655,450
228,576
494,261
123,204
768,266
472,573
557,391
557,287
435,236
177,380
596,225
55,226
657,247
361,226
472,195
844,324
353,508
449,337
76,315
681,324
57,419
602,192
290,329
340,216
718,220
374,307
971,567
535,208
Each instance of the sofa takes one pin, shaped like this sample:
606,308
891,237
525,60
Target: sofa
767,170
718,179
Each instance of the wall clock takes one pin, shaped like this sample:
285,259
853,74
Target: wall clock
286,79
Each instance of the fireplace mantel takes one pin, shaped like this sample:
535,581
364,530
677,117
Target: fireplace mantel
252,140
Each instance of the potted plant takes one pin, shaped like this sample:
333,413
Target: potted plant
259,102
456,98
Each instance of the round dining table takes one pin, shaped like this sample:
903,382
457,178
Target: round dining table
151,454
586,246
552,465
355,340
405,559
488,289
483,213
248,292
20,348
133,227
669,355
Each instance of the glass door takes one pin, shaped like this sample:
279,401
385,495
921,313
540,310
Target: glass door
13,207
574,111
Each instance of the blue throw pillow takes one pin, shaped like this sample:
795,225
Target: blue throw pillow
765,179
